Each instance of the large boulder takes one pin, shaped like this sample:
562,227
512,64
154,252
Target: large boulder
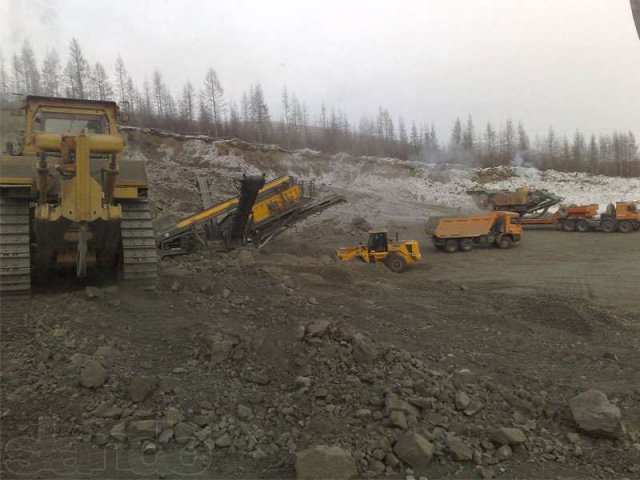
508,436
413,449
595,415
140,388
144,430
93,374
323,462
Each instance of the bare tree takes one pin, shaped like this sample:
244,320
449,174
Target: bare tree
468,137
523,138
30,69
121,80
204,114
4,82
77,71
51,74
259,112
456,134
187,103
102,89
214,94
508,141
18,75
158,94
132,95
490,145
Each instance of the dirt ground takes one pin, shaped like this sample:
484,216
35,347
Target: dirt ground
523,318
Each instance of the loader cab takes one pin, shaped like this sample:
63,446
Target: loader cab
378,241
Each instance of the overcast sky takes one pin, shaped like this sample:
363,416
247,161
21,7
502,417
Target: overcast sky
567,63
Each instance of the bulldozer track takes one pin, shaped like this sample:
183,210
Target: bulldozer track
15,255
139,255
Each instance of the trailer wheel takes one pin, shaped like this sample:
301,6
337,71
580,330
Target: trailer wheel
505,243
608,225
465,244
450,246
582,226
396,263
569,225
625,226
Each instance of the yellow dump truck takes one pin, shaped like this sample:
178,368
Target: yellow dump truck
501,229
396,256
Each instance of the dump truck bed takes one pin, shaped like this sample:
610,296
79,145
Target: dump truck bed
464,227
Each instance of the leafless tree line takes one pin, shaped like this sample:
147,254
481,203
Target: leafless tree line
207,110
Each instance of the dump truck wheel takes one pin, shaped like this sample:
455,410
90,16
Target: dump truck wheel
582,226
451,246
625,226
569,225
396,263
505,243
608,226
465,245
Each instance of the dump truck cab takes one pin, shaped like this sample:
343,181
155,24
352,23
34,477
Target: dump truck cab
623,217
67,199
396,256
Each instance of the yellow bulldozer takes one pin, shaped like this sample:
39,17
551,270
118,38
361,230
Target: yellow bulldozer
67,200
396,256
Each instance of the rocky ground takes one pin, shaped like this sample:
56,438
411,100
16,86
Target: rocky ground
281,362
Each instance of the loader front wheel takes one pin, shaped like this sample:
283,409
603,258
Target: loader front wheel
451,246
396,263
465,245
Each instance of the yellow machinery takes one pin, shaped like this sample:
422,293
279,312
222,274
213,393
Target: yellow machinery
395,255
451,234
68,201
258,213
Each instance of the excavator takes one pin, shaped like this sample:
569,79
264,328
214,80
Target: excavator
67,199
259,212
396,256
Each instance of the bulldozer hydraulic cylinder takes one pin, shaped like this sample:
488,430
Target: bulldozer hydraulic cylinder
43,172
111,172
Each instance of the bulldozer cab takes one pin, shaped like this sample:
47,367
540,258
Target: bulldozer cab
66,117
378,241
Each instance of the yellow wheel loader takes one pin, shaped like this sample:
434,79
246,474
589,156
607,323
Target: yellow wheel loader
66,198
396,256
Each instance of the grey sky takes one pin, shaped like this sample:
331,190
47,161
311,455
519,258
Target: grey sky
569,63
